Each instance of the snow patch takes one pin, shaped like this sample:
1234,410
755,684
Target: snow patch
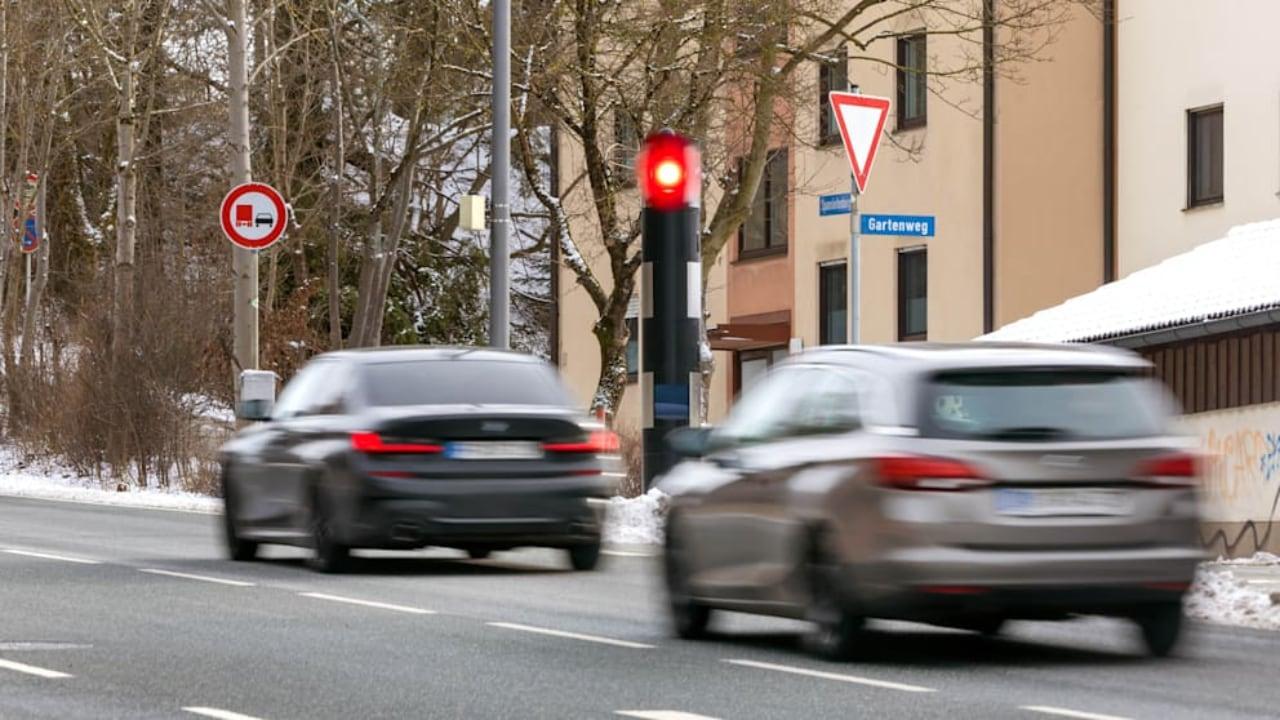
636,521
49,481
1219,597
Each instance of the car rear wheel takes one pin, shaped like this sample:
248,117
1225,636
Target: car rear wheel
327,554
834,626
238,549
1161,625
689,618
477,553
585,557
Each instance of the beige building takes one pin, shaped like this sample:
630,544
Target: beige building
1197,162
1010,168
1198,105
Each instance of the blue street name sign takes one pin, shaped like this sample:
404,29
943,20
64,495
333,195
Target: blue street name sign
918,225
837,204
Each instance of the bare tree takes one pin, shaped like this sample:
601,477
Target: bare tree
591,69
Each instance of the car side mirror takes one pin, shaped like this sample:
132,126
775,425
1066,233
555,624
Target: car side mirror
257,395
689,442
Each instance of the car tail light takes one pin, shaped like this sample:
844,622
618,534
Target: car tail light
372,443
1173,470
599,442
928,473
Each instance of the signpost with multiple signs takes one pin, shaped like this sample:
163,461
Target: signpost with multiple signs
861,120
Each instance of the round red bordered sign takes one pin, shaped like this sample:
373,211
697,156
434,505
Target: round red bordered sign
254,215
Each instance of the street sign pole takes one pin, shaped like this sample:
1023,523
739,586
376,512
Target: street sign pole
855,265
861,121
500,230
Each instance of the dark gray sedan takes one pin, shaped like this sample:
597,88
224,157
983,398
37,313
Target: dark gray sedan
960,485
404,448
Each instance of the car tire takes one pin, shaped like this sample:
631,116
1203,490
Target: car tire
834,626
477,553
327,554
238,549
689,618
1161,626
585,557
986,626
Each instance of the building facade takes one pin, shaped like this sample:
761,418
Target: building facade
1008,165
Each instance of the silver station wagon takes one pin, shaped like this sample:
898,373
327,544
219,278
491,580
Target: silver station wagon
959,485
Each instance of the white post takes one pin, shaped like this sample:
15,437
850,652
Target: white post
855,265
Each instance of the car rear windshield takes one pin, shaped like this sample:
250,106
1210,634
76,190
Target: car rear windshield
1043,405
462,382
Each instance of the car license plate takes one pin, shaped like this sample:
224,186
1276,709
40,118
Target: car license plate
1059,502
493,450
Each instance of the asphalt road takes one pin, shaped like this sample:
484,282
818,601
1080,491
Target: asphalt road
111,612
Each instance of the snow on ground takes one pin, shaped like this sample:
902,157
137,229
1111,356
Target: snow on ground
48,480
1220,597
637,520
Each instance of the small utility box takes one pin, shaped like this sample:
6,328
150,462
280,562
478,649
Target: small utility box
257,394
471,213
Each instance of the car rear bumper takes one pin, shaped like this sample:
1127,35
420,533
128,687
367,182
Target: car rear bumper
478,512
918,581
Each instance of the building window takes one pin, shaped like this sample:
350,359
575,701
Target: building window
753,364
832,76
833,298
913,294
626,140
913,88
1204,156
633,349
765,230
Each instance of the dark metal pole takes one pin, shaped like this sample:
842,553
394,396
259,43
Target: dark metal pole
500,228
671,300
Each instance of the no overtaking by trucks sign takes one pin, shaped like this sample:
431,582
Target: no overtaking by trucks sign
254,215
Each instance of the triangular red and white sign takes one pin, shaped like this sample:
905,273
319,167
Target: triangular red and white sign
861,120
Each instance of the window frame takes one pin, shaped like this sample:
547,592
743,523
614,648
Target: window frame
633,336
781,155
824,308
1194,117
905,75
828,127
625,153
904,334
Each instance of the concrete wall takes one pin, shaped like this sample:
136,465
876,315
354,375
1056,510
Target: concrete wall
1177,56
1242,477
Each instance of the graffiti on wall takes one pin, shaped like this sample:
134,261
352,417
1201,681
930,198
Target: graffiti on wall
1241,475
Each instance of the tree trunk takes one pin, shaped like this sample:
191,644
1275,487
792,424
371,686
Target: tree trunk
335,190
126,223
35,289
387,263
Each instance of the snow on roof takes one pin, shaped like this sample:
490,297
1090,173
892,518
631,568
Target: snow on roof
1234,275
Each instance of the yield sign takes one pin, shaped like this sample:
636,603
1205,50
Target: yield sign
861,120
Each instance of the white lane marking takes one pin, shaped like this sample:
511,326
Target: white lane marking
369,603
663,715
32,670
571,635
628,553
51,556
832,676
1064,712
202,578
219,714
